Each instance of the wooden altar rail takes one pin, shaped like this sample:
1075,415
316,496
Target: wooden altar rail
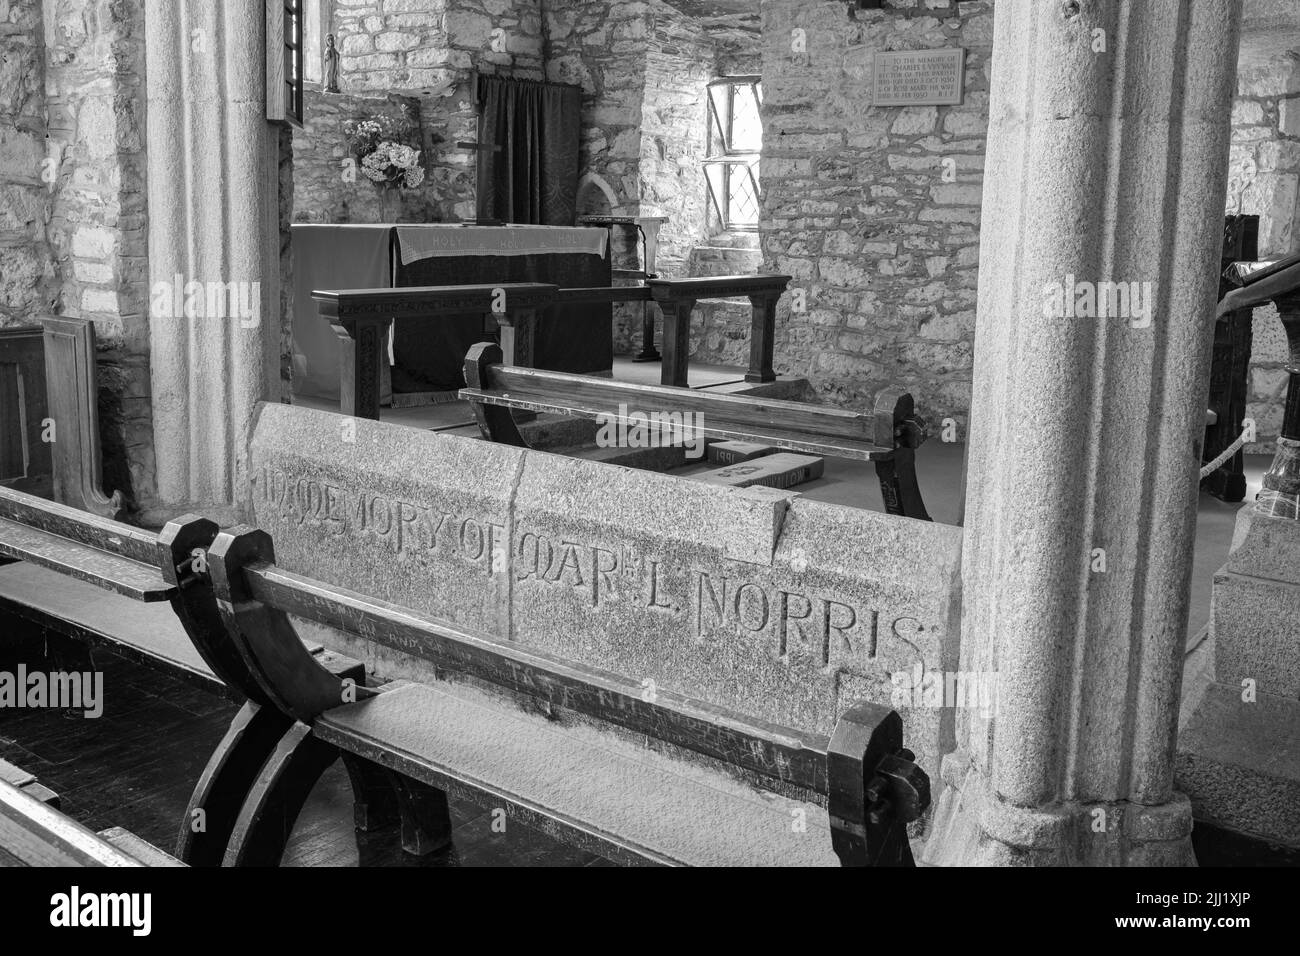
360,318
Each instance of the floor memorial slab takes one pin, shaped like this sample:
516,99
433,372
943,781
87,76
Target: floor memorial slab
772,471
735,452
785,609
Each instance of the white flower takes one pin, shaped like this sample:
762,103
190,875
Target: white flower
403,157
414,176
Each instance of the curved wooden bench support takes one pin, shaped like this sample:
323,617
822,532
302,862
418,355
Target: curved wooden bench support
263,771
183,547
229,777
289,675
286,780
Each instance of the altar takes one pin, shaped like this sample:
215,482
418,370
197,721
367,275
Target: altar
427,357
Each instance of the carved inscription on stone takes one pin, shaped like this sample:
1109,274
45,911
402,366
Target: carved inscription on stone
602,581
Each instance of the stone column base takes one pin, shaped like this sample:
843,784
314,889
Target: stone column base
973,827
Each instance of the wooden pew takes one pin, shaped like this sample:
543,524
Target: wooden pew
407,745
94,580
720,787
888,436
49,415
34,833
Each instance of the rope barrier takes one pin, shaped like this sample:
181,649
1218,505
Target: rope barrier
1222,460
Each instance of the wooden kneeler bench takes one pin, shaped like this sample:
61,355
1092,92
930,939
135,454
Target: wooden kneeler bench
888,436
575,780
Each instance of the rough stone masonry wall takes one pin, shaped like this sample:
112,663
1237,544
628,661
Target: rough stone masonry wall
602,47
858,205
1264,181
94,84
431,49
26,273
644,69
680,62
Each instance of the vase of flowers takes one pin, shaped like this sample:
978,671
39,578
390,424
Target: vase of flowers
385,153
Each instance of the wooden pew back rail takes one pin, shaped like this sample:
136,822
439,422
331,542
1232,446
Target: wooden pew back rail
888,436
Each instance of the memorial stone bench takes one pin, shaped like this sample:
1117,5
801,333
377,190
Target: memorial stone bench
888,436
542,619
584,782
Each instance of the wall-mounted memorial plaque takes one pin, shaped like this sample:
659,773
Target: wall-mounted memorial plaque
919,77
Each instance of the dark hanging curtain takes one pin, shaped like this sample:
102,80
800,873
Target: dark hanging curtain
533,178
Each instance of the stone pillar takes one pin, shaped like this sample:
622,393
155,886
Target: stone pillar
213,213
1107,162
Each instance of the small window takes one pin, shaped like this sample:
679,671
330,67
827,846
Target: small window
311,33
284,60
735,143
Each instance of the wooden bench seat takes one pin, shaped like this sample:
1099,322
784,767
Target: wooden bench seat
147,633
583,786
139,582
888,436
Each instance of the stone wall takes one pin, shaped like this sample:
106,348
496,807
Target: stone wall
1264,181
26,272
874,211
326,189
601,47
644,68
1265,159
430,49
680,62
598,46
94,85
